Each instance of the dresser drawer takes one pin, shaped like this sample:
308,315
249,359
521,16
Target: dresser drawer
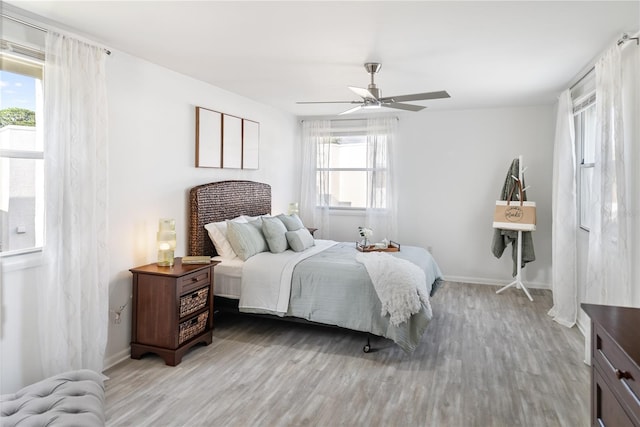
193,281
607,410
622,375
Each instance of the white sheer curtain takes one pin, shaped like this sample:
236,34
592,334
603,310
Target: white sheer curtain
564,216
608,270
314,193
73,303
381,209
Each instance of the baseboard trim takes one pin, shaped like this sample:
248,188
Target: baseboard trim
495,282
113,360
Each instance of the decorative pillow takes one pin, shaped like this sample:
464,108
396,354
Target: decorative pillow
218,235
299,240
292,222
274,232
246,239
253,218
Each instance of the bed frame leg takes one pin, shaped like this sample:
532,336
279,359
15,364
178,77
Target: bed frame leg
367,346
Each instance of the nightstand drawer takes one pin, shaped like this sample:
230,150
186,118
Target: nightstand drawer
193,281
192,327
618,371
190,303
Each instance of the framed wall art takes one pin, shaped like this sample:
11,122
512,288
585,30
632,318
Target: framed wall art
226,141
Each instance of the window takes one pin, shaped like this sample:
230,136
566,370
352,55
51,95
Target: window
585,133
21,155
352,168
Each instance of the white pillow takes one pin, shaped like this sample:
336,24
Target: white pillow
253,218
218,235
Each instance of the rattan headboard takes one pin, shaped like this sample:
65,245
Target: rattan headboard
222,200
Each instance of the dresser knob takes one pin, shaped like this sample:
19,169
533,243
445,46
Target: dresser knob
622,374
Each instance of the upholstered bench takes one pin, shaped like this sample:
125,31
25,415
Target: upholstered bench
74,398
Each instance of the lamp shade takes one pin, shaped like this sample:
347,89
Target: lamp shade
294,208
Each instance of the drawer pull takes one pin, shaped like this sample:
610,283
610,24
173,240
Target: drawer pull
199,277
622,374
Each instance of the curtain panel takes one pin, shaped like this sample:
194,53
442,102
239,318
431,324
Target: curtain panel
314,209
564,217
73,304
381,209
608,268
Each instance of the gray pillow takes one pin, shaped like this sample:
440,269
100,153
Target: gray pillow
299,240
274,232
246,239
292,222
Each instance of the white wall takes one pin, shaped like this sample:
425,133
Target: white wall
451,168
19,350
151,168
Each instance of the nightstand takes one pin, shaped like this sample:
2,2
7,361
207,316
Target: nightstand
172,309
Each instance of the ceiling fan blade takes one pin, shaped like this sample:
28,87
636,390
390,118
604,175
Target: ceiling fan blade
417,96
365,93
351,110
408,107
328,102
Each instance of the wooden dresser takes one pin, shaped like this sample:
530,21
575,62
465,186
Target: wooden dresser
172,309
615,360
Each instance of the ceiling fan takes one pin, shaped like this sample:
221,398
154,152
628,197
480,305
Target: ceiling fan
371,96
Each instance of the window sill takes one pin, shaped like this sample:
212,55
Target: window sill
346,212
20,261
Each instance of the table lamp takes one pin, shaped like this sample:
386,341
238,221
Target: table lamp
166,241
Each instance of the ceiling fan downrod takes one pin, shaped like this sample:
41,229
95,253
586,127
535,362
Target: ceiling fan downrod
372,68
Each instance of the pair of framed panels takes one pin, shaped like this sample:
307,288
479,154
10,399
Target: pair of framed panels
226,141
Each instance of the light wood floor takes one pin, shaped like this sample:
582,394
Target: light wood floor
485,360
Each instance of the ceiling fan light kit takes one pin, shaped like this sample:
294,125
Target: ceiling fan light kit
372,99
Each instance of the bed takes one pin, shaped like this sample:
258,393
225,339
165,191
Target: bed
329,283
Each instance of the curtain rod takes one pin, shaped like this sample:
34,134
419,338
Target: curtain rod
348,120
622,40
36,27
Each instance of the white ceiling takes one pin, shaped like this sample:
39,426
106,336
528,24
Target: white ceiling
484,54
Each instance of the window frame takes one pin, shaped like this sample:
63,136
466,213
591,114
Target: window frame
354,128
32,67
580,107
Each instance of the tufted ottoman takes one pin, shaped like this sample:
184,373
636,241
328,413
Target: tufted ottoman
74,398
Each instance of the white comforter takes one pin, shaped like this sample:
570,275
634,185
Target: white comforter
266,279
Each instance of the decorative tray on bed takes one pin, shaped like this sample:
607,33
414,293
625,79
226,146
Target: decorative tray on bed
393,247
